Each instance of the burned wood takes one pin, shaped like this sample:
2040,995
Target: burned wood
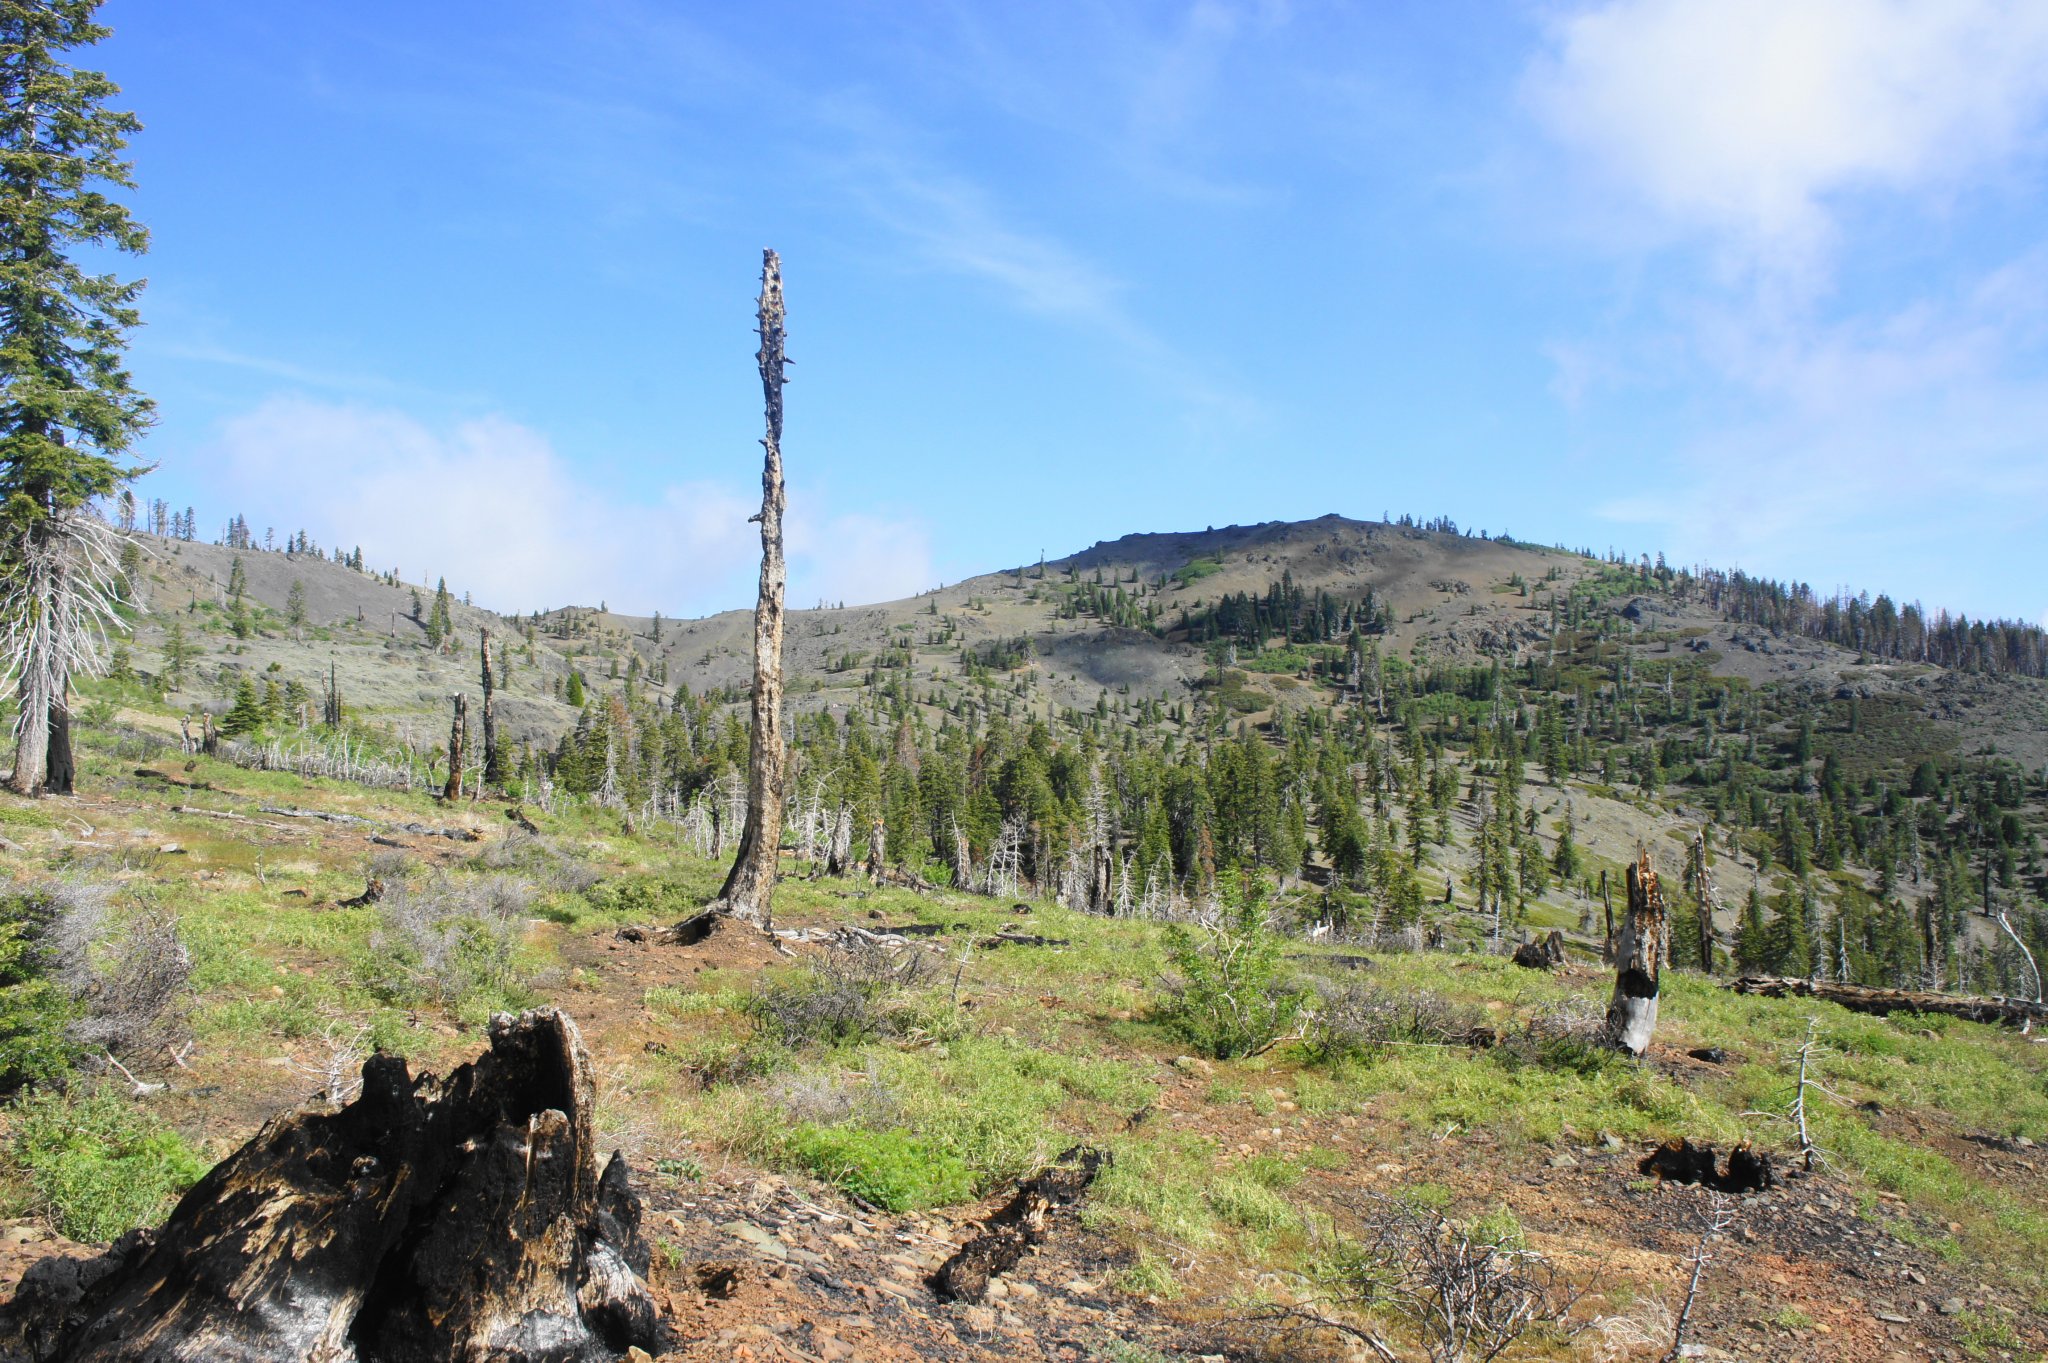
1632,1012
1883,1002
1024,1221
517,814
463,1219
1682,1161
372,893
1547,954
152,774
458,736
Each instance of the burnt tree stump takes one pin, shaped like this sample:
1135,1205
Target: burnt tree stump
428,1220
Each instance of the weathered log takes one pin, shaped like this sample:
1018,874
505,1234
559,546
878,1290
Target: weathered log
1632,1012
1023,1222
1866,999
456,1220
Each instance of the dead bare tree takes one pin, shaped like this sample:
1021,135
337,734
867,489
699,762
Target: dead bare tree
1699,882
58,587
458,731
750,888
494,769
1632,1014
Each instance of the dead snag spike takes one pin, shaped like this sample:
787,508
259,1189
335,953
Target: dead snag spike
1632,1014
750,888
458,730
494,774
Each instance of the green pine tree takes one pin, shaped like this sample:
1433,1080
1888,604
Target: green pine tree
68,409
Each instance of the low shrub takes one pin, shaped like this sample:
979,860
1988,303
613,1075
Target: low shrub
1228,993
1354,1019
449,939
892,1169
79,977
853,992
98,1164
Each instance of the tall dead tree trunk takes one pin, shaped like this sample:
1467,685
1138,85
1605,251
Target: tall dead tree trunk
750,888
458,732
1702,887
1607,907
494,769
1632,1014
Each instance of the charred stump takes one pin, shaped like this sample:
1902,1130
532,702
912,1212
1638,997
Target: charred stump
1547,954
1638,950
427,1220
458,733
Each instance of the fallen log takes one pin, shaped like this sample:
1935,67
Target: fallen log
1883,1002
231,817
1023,1222
427,1220
1022,939
327,816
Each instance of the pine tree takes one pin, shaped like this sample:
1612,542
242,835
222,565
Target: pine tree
68,411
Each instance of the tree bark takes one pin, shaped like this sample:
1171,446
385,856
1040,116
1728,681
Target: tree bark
1632,1013
750,888
458,731
494,774
59,768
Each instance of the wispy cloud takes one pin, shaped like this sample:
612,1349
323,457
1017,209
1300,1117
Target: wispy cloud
1762,147
493,506
1747,121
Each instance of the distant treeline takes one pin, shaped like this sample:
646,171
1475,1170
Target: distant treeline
1880,627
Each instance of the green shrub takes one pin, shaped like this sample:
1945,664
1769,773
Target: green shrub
1230,999
98,1163
892,1169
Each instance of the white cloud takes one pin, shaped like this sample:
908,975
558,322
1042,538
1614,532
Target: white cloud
1745,118
1850,410
492,505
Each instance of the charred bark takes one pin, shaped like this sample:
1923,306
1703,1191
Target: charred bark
494,769
1638,951
458,1220
750,888
458,733
1024,1221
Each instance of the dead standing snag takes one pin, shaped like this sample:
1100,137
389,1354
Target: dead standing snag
1632,1015
750,887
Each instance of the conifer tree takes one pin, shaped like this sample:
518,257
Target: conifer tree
68,410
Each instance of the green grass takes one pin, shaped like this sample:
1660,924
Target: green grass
97,1163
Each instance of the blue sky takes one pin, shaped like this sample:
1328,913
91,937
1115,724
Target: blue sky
1753,282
